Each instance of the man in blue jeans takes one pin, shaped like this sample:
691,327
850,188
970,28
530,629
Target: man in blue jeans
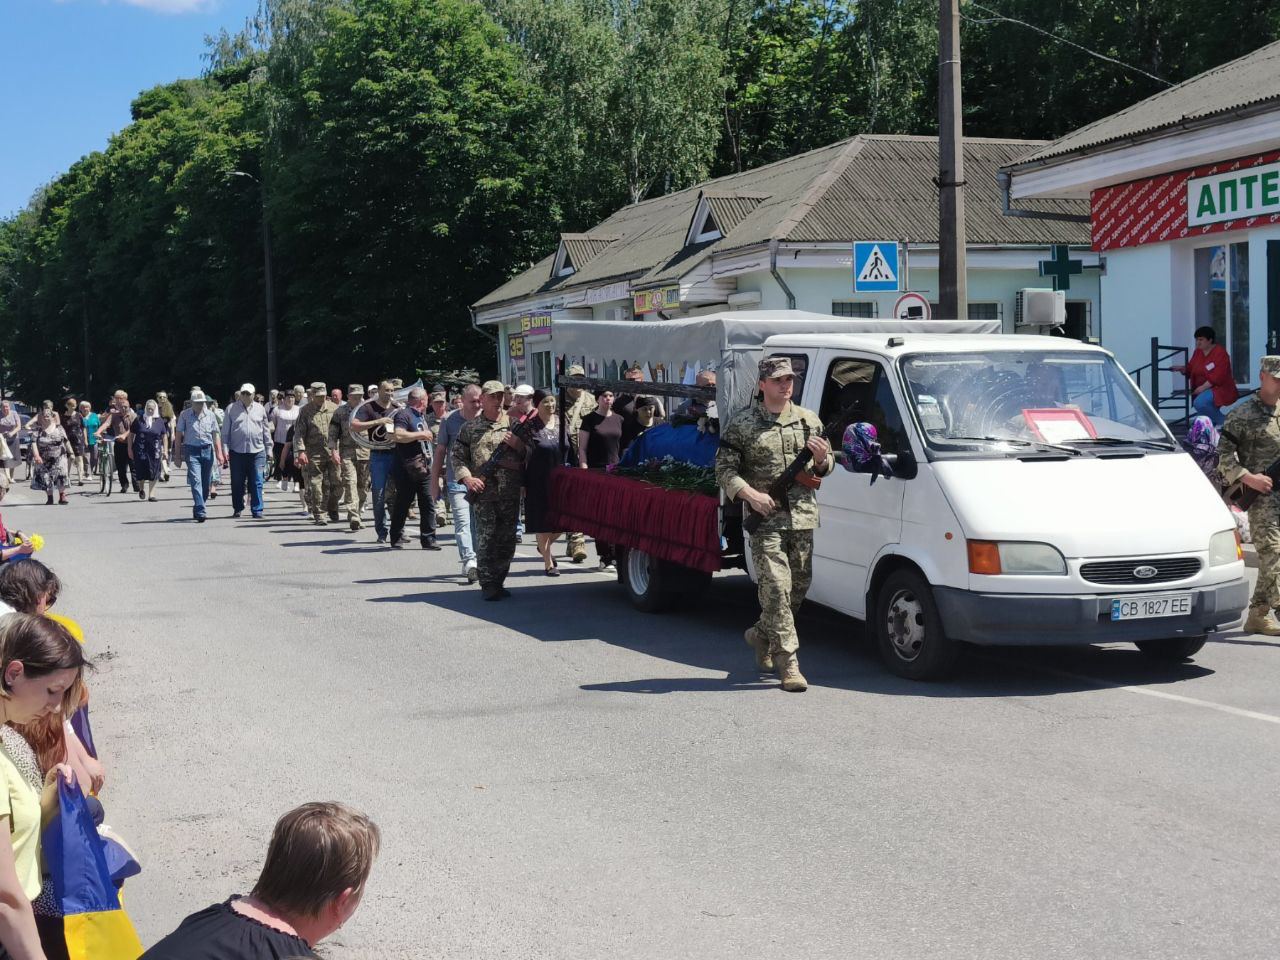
246,437
450,427
200,443
378,412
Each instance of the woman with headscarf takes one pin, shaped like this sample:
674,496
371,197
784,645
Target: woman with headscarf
149,449
170,417
49,453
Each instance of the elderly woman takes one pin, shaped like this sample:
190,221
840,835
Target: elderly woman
149,449
543,455
73,424
49,452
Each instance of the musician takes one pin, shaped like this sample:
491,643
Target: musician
756,448
496,503
377,413
413,471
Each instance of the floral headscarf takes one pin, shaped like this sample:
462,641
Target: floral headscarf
1203,435
860,451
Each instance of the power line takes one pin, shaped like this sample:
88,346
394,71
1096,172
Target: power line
998,17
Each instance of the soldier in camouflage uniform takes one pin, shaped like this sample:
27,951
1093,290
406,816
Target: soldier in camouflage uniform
756,447
497,497
578,404
1250,443
351,458
312,452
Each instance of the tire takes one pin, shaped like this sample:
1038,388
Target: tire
646,581
1175,649
909,631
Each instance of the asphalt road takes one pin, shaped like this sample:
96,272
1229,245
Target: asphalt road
557,776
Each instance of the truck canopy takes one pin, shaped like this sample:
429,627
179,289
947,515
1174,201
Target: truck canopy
729,343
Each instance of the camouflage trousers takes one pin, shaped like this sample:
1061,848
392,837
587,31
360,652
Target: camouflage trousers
574,543
354,475
324,484
1264,529
493,528
784,568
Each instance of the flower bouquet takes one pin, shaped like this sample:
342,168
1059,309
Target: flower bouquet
670,473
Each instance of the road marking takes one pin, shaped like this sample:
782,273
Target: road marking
1147,692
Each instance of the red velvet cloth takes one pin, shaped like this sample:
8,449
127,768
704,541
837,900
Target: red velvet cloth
669,524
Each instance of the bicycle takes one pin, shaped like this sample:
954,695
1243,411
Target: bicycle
106,466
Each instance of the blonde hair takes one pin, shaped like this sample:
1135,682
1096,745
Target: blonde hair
317,851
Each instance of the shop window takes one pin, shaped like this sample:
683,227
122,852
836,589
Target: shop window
856,390
862,309
984,311
541,370
1222,300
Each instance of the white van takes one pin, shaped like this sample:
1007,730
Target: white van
1037,499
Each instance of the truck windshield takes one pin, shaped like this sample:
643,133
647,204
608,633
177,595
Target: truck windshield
1004,403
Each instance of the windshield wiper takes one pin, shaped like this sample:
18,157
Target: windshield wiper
1121,442
1043,444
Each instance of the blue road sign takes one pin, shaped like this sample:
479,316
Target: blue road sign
876,267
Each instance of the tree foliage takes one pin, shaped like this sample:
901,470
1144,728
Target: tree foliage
412,154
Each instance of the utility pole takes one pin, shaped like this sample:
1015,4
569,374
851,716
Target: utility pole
269,281
84,318
953,288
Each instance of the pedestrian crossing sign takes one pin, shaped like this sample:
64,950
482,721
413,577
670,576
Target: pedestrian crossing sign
875,267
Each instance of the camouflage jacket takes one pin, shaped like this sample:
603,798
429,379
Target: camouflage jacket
584,405
340,435
1250,440
756,447
476,442
311,431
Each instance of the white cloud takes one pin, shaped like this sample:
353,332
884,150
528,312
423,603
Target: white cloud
174,6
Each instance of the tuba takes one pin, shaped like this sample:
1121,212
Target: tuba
378,438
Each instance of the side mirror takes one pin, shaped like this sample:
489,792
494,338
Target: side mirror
905,466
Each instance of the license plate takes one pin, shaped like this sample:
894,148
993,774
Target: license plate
1153,605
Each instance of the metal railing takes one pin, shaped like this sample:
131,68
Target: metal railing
1174,407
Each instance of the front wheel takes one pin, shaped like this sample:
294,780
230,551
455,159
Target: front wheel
909,631
645,581
1175,648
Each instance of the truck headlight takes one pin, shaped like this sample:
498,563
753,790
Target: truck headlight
1224,547
992,558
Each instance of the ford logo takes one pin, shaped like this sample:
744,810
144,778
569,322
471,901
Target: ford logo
1145,573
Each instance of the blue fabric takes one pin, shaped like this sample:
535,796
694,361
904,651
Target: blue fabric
380,464
684,442
247,470
457,494
199,476
198,431
75,858
1204,405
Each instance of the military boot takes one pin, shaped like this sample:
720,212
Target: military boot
793,680
764,659
1262,621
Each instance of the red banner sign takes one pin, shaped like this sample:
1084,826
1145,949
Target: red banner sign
1155,210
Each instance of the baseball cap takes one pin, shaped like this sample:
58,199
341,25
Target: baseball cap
771,368
438,395
318,387
492,386
355,388
1271,365
197,396
524,390
575,370
247,388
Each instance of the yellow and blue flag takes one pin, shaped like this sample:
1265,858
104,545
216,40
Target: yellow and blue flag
95,924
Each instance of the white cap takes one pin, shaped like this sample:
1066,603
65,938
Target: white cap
524,390
247,388
197,396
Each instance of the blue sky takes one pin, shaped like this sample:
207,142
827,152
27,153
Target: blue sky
69,69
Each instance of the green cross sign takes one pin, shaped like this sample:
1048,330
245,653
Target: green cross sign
1060,266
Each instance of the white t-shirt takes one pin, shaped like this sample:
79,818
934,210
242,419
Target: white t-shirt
284,420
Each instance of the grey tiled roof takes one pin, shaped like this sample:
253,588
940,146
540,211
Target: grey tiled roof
1251,80
870,187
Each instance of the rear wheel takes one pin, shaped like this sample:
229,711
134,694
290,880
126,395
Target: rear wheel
645,581
1175,648
909,631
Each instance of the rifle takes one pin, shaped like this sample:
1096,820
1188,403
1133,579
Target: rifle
793,474
1245,497
521,431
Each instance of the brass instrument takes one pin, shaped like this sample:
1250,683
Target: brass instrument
379,437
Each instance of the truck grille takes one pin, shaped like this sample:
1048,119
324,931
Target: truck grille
1122,571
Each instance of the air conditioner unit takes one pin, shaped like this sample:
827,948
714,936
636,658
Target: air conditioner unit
1040,307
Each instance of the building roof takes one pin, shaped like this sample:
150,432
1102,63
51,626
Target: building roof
1248,81
869,187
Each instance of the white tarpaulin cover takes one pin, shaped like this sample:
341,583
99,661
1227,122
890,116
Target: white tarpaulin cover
673,351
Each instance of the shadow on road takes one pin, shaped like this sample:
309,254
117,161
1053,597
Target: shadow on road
583,606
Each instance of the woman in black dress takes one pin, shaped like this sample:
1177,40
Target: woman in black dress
600,445
543,455
149,449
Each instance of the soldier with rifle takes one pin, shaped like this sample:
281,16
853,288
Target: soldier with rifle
1247,453
757,448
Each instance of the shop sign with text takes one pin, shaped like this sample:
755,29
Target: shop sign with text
663,298
535,324
1230,195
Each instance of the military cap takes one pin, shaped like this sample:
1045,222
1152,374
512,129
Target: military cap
493,386
1271,365
355,390
318,387
575,370
438,395
771,368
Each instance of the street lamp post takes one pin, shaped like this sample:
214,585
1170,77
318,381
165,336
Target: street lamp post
269,280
